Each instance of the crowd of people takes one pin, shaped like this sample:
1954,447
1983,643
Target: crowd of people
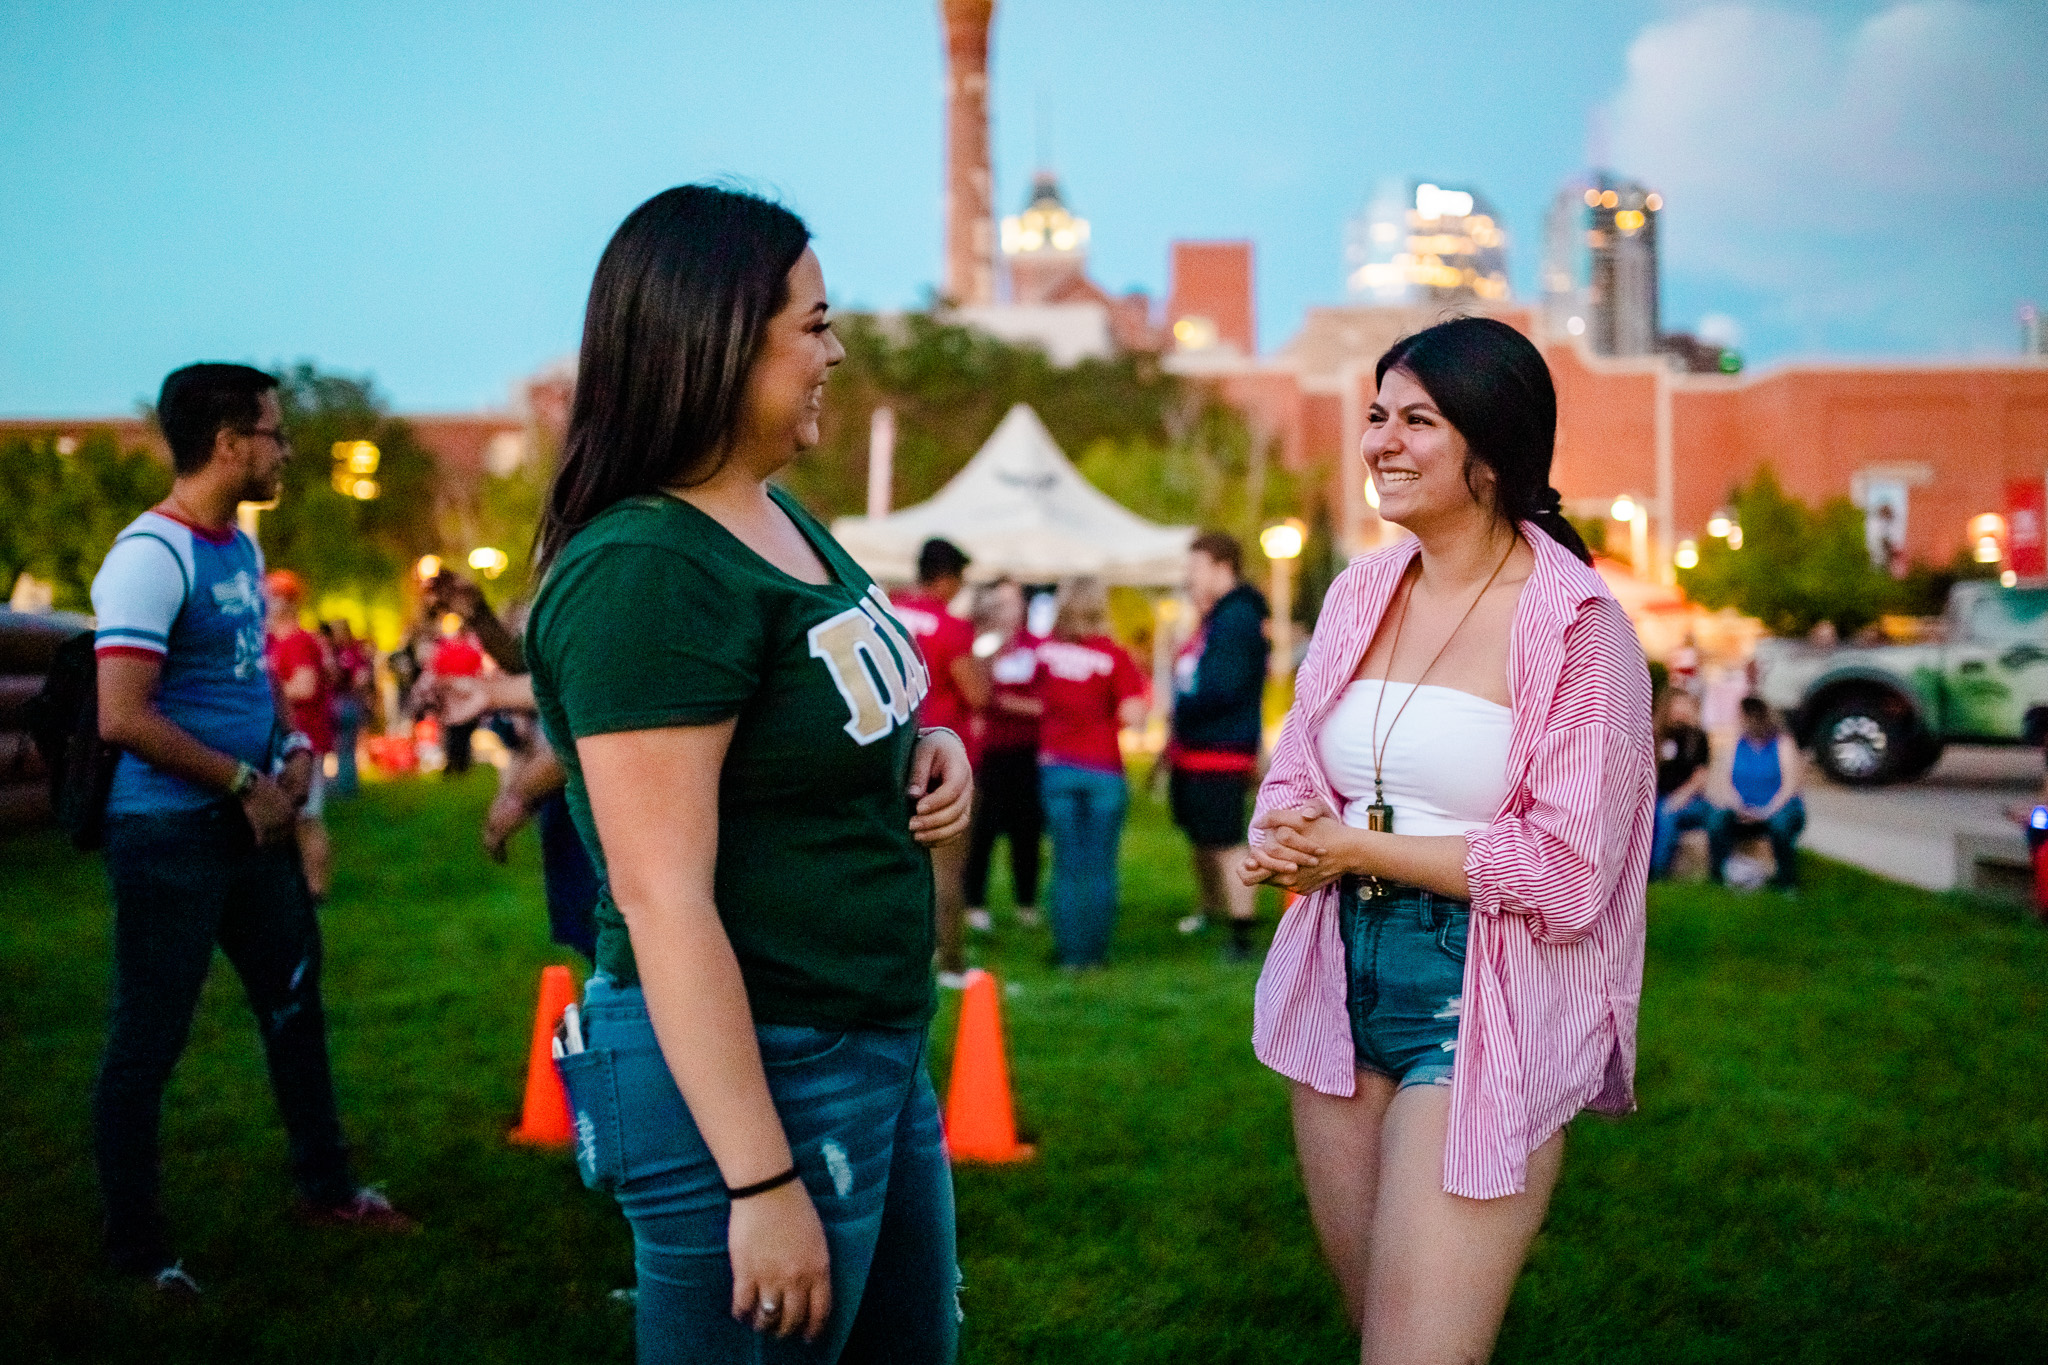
769,796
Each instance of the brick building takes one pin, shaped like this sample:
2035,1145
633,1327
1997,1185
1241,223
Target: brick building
1944,438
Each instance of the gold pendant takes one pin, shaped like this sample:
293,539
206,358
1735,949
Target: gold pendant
1379,818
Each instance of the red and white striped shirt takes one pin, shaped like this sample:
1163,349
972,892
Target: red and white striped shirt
1554,959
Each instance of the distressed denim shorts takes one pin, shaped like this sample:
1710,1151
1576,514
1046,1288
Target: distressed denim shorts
1404,966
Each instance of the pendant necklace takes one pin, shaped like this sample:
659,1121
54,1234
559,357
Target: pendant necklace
1379,816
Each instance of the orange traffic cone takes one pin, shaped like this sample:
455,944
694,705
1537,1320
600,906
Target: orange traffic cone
980,1125
544,1118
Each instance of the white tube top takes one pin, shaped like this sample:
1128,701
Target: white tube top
1445,763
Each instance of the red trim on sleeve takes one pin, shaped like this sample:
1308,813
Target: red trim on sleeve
127,652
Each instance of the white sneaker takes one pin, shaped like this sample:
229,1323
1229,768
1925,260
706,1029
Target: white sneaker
1028,916
1194,924
980,921
173,1283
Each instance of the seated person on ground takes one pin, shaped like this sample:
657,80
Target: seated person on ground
1683,758
1755,790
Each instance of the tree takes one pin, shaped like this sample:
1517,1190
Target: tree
59,513
1160,445
949,387
361,548
1797,567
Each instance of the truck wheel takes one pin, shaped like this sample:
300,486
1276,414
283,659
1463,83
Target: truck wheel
1858,744
1923,753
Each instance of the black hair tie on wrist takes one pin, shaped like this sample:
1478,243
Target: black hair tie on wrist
773,1182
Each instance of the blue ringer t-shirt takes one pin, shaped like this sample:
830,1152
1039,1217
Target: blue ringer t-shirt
193,599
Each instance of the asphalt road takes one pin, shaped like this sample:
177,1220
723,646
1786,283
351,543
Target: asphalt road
1908,832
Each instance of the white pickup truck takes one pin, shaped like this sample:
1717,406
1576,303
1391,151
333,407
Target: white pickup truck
1881,713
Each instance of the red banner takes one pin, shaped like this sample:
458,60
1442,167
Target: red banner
2026,520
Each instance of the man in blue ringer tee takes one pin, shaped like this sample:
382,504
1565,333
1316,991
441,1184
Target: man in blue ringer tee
199,832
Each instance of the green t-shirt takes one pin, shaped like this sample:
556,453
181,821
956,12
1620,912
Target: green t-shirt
656,616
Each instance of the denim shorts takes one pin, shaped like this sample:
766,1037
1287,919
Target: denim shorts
1404,967
863,1122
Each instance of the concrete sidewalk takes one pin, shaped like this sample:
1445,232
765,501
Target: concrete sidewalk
1908,832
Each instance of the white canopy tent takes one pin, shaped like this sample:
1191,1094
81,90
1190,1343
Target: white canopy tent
1019,507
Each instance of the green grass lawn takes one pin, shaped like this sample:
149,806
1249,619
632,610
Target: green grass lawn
1842,1153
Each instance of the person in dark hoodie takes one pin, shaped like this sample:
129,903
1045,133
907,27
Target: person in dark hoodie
1219,682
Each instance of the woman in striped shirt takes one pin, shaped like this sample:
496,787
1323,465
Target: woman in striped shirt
1464,795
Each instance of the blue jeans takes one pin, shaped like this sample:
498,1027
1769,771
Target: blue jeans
863,1121
182,883
1725,827
348,723
1084,810
568,878
1694,814
1404,968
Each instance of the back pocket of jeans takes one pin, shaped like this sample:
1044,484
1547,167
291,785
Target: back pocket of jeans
591,1080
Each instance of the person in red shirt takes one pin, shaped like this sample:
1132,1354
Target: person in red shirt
303,676
457,655
959,691
1089,688
1006,772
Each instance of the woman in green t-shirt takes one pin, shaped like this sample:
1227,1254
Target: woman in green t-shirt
736,707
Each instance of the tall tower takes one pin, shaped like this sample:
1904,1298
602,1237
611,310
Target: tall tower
1419,243
1621,239
970,195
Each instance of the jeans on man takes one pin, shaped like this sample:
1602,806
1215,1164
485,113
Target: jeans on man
183,882
348,725
863,1124
1084,810
1694,814
1726,827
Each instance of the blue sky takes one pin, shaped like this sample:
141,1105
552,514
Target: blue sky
420,192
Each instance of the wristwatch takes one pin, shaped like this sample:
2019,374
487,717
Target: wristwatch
244,783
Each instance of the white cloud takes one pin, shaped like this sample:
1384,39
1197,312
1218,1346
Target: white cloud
1849,174
1718,329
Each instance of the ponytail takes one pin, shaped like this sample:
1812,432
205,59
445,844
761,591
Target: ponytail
1548,513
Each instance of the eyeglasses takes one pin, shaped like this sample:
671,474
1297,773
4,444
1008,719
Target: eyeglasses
276,434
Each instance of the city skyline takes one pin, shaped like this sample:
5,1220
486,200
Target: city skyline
427,193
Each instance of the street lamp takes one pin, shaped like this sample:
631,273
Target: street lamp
488,561
354,463
1637,517
1282,542
1688,556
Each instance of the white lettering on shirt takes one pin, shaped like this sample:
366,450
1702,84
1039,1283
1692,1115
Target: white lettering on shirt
1074,663
880,685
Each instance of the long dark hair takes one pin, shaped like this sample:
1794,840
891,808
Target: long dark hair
682,297
1490,382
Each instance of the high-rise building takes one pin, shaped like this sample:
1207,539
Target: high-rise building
2033,337
970,194
1045,247
1418,242
1600,266
1621,239
1563,280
